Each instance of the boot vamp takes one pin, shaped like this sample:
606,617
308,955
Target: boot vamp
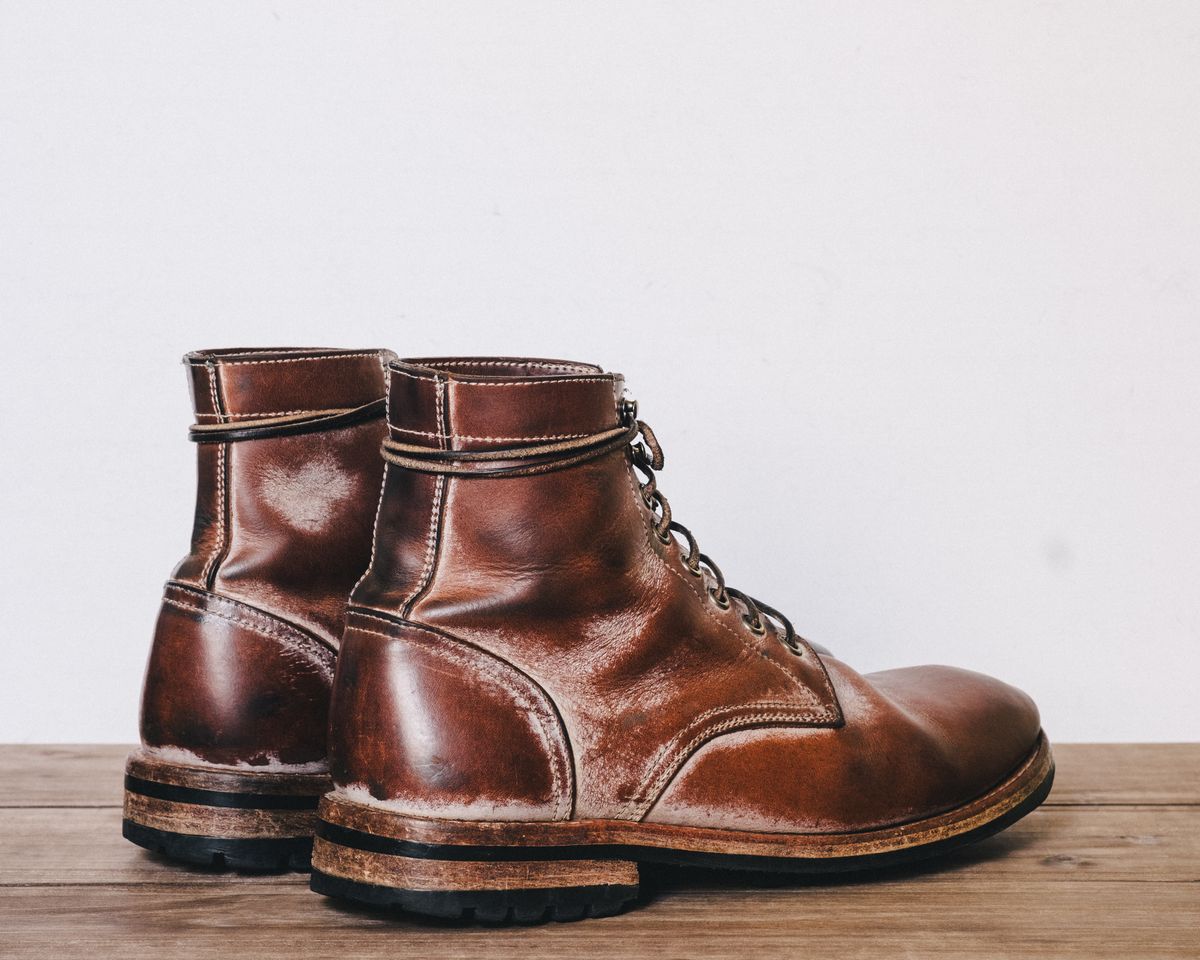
915,742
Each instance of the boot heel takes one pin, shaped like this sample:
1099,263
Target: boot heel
461,881
219,817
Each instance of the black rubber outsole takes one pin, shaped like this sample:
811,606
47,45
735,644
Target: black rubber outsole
271,855
483,906
574,903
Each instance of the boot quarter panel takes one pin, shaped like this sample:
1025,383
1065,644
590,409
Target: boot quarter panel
561,576
443,729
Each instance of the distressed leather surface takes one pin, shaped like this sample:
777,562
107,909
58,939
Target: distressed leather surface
507,758
232,685
669,708
916,741
241,664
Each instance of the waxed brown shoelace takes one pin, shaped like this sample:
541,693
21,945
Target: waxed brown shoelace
648,457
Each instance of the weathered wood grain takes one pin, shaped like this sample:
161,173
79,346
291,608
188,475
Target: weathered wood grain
62,775
986,919
84,846
1140,773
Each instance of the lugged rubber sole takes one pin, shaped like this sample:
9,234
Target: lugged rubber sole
528,872
485,906
258,856
213,816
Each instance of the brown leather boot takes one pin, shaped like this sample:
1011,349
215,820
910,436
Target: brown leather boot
543,682
236,696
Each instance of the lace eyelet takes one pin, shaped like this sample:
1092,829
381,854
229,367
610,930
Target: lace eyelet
663,537
722,602
756,627
694,571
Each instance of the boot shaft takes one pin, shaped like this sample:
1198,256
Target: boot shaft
437,530
288,477
288,474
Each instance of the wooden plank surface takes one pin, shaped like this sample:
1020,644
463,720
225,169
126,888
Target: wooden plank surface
1106,773
984,919
1110,867
62,775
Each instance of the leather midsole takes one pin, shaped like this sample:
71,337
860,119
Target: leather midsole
212,801
145,765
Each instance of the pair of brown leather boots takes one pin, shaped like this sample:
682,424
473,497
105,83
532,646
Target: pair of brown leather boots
539,681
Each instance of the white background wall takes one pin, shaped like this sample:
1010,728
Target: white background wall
910,292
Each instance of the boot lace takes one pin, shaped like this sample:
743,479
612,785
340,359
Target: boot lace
647,457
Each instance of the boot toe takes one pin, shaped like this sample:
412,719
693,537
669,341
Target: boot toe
916,742
976,728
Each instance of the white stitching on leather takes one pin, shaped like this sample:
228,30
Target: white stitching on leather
506,383
440,398
387,407
269,413
640,806
529,383
645,798
565,367
436,510
219,547
324,658
412,376
336,356
490,667
212,390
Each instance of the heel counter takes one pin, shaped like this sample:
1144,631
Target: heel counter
228,683
429,725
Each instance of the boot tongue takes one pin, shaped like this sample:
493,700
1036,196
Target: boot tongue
486,403
228,385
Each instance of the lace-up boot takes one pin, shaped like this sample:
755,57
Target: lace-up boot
544,683
236,696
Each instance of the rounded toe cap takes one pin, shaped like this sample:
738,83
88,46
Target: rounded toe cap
978,728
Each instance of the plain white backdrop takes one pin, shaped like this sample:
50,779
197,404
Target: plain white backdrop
910,293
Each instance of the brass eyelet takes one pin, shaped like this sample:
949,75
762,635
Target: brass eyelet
694,571
720,601
664,537
756,626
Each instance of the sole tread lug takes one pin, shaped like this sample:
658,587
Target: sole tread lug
266,855
486,907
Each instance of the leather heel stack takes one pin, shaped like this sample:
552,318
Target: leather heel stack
458,870
221,817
